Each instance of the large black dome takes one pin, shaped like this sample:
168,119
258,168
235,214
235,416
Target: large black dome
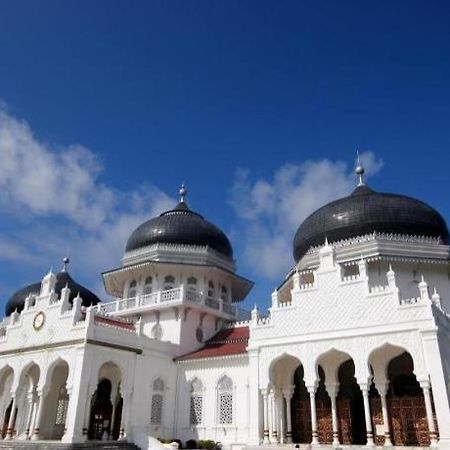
17,300
365,211
180,226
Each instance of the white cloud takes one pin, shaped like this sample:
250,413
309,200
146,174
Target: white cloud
58,206
271,211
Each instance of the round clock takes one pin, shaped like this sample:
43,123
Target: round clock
39,320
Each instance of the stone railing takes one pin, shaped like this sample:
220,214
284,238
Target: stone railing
170,297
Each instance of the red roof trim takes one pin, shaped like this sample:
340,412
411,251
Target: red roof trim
227,342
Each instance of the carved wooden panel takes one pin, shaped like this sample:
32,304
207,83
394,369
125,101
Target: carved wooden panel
344,420
301,421
377,419
408,421
324,421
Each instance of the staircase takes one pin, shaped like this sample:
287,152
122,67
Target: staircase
57,445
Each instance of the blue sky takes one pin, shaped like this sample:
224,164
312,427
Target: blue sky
259,106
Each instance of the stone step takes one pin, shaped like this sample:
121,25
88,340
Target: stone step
57,445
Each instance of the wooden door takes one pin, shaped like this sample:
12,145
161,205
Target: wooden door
409,426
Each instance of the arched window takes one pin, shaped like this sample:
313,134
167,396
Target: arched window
210,289
192,283
148,285
169,282
157,402
132,289
225,400
224,293
196,407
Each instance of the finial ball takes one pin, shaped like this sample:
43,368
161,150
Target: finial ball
359,170
182,191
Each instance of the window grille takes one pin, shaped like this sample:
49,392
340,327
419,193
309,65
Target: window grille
196,409
61,406
157,402
225,400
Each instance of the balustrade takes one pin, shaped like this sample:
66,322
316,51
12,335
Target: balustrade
168,296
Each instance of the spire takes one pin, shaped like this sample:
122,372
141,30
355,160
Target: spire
66,262
359,170
182,192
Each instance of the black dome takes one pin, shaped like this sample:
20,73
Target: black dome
365,211
17,300
180,226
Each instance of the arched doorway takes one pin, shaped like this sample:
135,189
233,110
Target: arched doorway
406,404
301,409
350,407
106,405
323,411
6,381
56,403
24,413
101,412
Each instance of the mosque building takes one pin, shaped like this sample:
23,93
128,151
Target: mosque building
354,350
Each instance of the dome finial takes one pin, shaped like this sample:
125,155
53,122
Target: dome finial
182,192
66,262
359,170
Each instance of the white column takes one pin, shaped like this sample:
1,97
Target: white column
425,385
274,436
12,417
281,422
312,402
288,396
365,391
332,392
42,393
254,406
433,357
382,390
266,416
30,413
87,410
114,401
124,422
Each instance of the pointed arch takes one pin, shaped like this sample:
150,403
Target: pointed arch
196,401
225,400
157,406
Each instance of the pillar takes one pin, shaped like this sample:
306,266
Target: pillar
425,385
42,393
382,390
312,402
87,411
281,421
266,416
12,417
288,396
365,391
126,398
332,392
114,401
30,414
254,399
274,436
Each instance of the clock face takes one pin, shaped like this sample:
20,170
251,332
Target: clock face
39,320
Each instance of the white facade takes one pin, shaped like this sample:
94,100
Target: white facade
352,319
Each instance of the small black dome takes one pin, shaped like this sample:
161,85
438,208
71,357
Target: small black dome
17,300
180,226
365,211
